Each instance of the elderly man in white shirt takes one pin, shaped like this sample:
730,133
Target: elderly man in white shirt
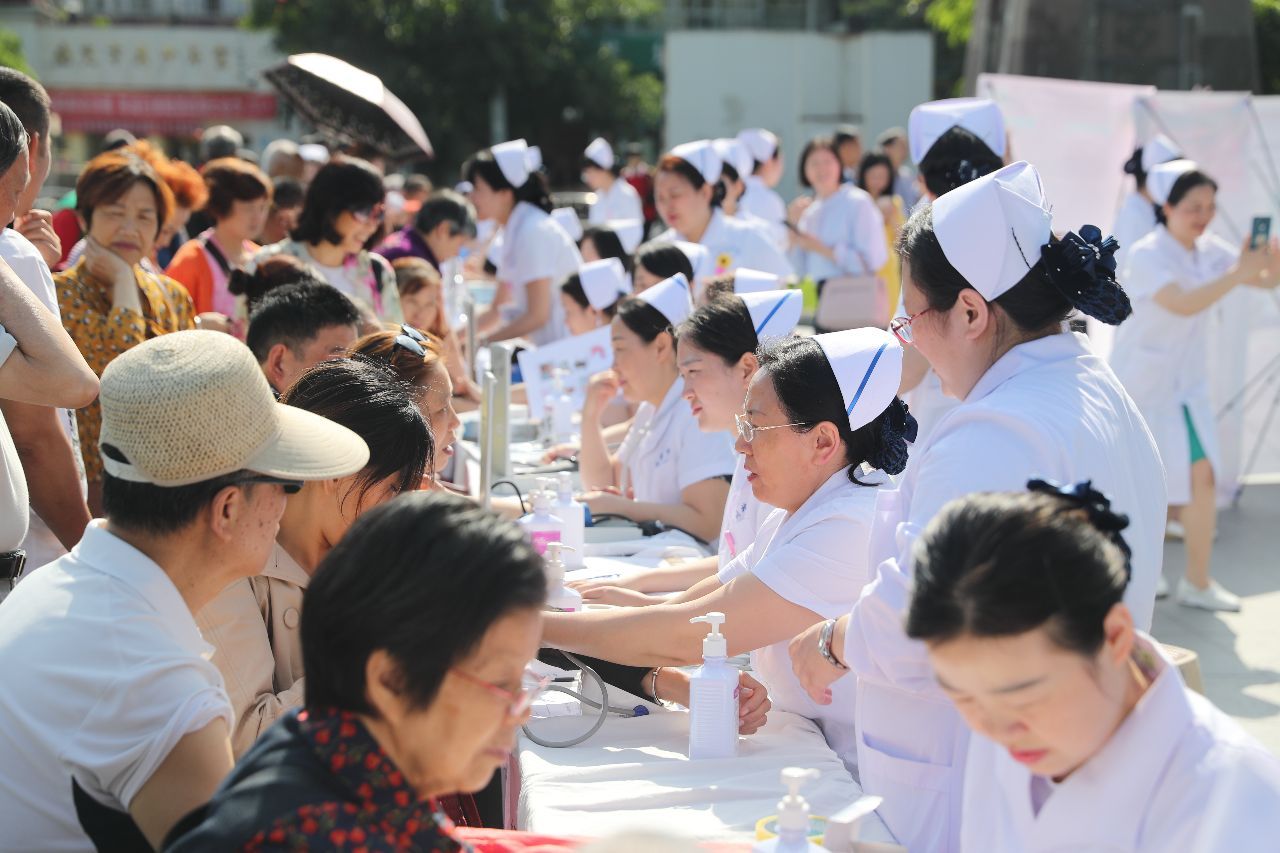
113,722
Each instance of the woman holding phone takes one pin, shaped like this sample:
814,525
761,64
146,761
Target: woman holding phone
1173,276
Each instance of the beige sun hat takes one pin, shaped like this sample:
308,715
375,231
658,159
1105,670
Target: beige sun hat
193,406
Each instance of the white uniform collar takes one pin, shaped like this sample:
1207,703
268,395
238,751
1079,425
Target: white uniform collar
103,551
837,482
1060,347
1123,769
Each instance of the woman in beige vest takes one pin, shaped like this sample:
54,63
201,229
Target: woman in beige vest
253,624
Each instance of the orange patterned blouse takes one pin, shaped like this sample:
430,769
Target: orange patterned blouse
102,331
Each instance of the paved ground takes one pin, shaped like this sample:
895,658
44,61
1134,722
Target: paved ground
1239,652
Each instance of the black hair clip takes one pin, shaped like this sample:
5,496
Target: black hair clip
1083,268
898,428
1097,507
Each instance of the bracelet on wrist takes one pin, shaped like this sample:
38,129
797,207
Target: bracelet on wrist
824,644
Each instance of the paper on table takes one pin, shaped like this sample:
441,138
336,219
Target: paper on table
556,704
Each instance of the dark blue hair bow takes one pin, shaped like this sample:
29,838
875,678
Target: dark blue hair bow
1097,508
1083,268
898,428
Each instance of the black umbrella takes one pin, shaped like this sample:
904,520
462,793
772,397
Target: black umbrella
350,103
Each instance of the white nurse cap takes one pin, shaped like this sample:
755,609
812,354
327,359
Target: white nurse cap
1159,150
629,232
699,257
991,229
600,152
517,160
702,156
762,144
754,281
979,116
868,367
774,313
567,218
671,297
735,154
1163,176
603,282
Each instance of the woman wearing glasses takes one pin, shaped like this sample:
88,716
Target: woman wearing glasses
666,469
820,421
253,624
417,687
342,211
508,187
987,286
716,356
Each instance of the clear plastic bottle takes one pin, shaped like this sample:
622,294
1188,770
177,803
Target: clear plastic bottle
562,410
559,597
574,516
713,697
540,525
792,821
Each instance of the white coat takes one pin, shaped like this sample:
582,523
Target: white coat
1161,357
664,452
816,558
763,202
744,515
850,223
534,247
732,244
1048,408
1135,219
620,201
1151,788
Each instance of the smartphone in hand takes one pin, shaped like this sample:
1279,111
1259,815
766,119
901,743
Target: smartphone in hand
1260,232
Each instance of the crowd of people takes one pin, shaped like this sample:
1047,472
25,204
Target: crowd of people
242,608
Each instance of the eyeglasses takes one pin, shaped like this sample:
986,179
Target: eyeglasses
412,340
365,215
517,701
747,430
291,487
901,326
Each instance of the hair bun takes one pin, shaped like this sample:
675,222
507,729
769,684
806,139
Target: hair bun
1096,506
1133,166
1083,269
898,428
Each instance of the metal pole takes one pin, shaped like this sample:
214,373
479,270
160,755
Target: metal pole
498,103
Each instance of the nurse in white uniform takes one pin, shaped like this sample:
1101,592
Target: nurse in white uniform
760,199
953,142
1137,215
590,297
1085,736
687,192
667,469
820,416
615,198
716,354
839,230
535,253
1174,275
988,288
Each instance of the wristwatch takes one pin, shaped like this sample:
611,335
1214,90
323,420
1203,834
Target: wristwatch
824,644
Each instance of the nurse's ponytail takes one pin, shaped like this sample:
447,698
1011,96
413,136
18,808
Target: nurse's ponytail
809,394
1002,564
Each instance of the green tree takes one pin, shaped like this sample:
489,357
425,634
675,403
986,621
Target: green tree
11,51
1266,34
951,21
446,58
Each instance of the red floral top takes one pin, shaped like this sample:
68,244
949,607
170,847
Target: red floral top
383,813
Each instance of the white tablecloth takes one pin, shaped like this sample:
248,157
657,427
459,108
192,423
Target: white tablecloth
633,773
